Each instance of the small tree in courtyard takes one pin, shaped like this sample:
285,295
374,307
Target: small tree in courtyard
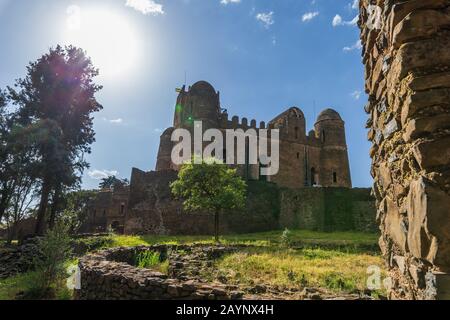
210,186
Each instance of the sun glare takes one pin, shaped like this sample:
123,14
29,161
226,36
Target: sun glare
108,38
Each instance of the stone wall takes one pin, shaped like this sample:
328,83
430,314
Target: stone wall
328,209
111,275
154,211
407,58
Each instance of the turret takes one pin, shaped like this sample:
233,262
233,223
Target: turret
292,125
334,163
164,160
200,103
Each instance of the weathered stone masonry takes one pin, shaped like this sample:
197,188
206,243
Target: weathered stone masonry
406,51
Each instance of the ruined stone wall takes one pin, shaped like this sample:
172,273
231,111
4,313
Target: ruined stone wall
111,275
407,58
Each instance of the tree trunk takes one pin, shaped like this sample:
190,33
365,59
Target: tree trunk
54,208
4,199
40,220
216,226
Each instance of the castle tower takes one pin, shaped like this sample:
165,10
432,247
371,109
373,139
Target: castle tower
334,162
164,160
200,103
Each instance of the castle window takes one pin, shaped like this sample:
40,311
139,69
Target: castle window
334,177
122,208
296,132
298,155
323,135
104,212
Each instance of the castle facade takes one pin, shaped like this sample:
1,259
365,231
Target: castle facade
319,158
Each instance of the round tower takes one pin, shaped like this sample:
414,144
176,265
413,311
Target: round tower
200,103
334,163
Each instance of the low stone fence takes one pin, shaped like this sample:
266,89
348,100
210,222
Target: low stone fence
111,275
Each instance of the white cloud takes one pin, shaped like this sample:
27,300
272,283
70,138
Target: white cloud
356,46
114,121
309,16
158,130
146,6
266,18
355,4
356,94
102,174
338,21
225,2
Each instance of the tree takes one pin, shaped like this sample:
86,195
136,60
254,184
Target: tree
210,186
17,167
112,181
75,210
56,99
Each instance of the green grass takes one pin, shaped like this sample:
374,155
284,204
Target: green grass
335,270
303,238
152,260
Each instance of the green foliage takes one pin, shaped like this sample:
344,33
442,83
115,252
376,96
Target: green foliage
152,260
112,181
75,208
54,250
209,185
55,102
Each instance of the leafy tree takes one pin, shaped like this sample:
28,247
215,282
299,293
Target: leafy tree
17,167
76,204
56,100
210,186
112,181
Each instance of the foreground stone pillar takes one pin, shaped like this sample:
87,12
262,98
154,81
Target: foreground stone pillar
406,51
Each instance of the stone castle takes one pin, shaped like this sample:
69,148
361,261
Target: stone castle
319,158
312,189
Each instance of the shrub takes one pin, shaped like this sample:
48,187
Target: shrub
54,249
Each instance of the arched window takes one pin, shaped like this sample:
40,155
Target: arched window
334,177
323,136
122,209
296,133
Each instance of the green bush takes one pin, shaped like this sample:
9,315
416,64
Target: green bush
151,260
50,272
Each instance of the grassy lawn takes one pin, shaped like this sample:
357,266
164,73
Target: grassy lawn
335,270
337,261
344,240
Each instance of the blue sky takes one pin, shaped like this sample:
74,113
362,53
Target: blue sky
262,55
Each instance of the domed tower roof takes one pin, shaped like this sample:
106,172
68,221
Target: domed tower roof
329,114
203,88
